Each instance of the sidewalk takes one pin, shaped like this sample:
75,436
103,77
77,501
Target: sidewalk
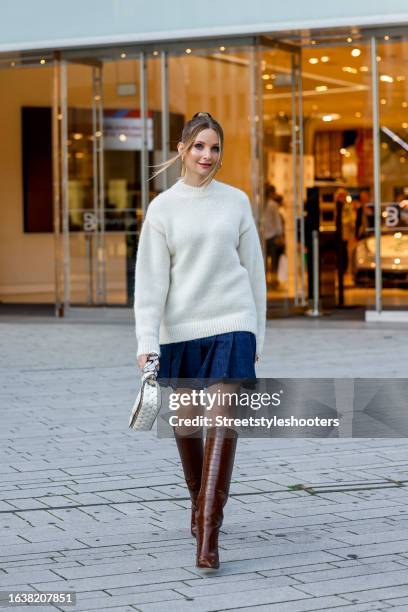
89,506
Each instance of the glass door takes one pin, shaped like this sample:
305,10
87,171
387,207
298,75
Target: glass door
79,199
392,239
286,174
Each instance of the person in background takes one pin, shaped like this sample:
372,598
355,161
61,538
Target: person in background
273,230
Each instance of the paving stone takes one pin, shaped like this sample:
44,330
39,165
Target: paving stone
131,506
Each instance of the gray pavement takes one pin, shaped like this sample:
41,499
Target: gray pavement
89,506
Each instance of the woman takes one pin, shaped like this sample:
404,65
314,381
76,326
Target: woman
200,304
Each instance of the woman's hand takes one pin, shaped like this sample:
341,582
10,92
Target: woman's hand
142,359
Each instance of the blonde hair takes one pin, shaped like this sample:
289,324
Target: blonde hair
199,122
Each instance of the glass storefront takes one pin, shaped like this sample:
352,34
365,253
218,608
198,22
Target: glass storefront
306,139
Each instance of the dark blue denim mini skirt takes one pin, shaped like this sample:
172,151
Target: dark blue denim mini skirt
205,361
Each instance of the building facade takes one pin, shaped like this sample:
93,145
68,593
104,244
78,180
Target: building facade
313,101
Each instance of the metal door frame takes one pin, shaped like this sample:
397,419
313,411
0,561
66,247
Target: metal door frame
295,53
97,252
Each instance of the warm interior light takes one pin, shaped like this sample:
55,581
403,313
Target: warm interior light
386,37
349,69
42,61
122,137
349,39
321,88
405,125
386,78
313,60
397,235
343,151
404,104
222,48
357,114
266,77
378,58
324,58
188,50
155,52
77,136
400,77
383,101
363,68
355,52
331,117
269,86
123,55
397,260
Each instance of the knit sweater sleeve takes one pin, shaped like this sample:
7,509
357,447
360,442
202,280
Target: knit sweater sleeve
152,280
250,255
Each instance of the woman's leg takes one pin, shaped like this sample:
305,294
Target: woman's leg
218,463
190,446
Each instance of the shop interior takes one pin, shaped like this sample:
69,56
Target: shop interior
305,104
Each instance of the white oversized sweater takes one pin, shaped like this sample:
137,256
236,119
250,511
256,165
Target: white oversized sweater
199,267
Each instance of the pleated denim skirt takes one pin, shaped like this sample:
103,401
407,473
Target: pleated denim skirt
204,361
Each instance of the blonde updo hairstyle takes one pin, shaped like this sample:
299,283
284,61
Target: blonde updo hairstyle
198,123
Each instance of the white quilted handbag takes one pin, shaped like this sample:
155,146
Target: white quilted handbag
148,400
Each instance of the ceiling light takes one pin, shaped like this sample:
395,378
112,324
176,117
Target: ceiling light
355,52
324,58
331,117
405,125
12,64
98,133
269,86
313,42
313,60
343,151
315,107
266,77
400,77
404,104
397,235
222,48
383,101
321,88
349,69
378,58
155,52
42,61
122,137
386,78
386,37
281,113
357,114
123,55
77,136
349,39
363,68
188,50
402,160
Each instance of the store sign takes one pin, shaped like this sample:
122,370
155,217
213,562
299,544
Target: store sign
123,130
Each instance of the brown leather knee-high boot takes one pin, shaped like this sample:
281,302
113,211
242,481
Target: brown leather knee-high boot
219,454
191,450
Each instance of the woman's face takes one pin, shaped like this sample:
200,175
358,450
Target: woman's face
203,155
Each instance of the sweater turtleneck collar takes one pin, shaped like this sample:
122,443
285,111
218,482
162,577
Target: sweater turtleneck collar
181,187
